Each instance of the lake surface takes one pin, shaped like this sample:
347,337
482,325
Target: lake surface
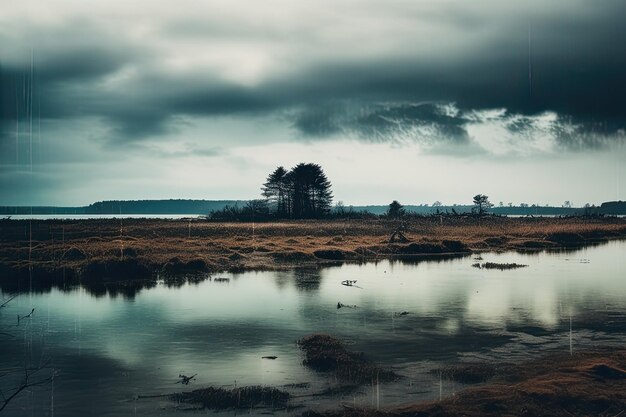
106,350
99,216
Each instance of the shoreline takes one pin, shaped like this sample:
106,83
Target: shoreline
585,383
105,251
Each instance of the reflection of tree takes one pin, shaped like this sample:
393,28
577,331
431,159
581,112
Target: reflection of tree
44,283
307,279
282,278
126,289
415,260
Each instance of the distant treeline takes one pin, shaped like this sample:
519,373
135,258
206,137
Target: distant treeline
607,208
197,207
463,209
159,206
204,207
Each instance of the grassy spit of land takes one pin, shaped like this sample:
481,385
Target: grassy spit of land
121,250
585,384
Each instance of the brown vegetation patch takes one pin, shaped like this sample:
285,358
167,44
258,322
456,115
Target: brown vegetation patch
455,246
496,241
534,244
566,238
583,385
325,353
73,245
499,266
117,270
330,254
420,248
236,398
292,256
192,266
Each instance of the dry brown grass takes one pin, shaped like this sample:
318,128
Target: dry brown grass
209,246
589,384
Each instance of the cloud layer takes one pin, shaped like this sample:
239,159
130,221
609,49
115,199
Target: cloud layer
140,66
119,84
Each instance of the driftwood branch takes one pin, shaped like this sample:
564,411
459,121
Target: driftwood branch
29,315
7,301
26,383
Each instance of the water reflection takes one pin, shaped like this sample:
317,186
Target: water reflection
113,341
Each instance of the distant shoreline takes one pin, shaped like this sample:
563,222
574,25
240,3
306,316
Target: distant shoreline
168,208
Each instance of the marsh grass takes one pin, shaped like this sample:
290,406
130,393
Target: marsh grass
499,266
586,384
72,247
236,398
325,353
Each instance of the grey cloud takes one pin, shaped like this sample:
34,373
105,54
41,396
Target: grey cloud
577,71
444,128
428,123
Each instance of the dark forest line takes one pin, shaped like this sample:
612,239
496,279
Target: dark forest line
203,207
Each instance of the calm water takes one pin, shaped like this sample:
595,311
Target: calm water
98,216
107,350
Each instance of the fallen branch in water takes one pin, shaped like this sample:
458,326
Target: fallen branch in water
29,315
7,301
26,383
184,379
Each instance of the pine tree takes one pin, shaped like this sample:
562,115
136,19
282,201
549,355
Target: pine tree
303,192
481,204
395,209
275,190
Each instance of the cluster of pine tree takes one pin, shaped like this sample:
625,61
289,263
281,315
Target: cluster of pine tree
303,192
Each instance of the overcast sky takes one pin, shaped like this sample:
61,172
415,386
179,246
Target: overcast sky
416,100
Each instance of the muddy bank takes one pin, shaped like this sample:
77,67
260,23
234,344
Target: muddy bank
592,383
105,251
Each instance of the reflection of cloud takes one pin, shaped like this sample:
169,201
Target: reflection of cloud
487,305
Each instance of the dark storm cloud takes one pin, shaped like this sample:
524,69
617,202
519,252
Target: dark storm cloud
577,65
424,122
